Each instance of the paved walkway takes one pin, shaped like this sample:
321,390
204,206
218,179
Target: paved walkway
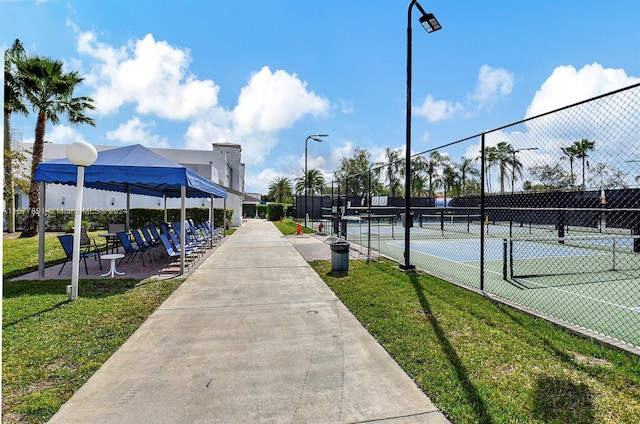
252,336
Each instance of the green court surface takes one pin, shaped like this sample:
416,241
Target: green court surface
592,281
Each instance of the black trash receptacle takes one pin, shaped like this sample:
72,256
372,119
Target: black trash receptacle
404,219
340,255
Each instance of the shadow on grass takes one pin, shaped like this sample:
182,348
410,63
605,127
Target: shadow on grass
560,400
471,392
29,269
87,288
338,274
35,314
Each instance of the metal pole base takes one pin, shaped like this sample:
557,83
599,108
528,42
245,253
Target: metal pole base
407,268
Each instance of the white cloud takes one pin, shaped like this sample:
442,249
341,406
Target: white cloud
437,110
346,106
492,85
259,183
62,134
136,131
153,76
148,73
274,101
566,86
270,102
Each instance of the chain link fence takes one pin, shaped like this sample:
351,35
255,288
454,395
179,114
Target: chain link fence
544,213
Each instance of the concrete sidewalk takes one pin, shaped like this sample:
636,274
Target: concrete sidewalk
253,335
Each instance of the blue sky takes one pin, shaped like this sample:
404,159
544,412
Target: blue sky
265,74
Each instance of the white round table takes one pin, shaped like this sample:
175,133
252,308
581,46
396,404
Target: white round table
113,257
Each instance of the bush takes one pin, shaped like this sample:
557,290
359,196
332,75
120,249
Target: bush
275,211
261,210
94,219
68,227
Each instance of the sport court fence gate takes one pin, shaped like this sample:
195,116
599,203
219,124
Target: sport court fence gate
544,213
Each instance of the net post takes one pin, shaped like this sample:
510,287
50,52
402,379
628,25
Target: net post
614,255
504,259
511,258
561,227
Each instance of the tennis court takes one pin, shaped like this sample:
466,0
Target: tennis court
592,279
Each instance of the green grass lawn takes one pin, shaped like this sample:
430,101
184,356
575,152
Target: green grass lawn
20,255
481,362
51,346
288,227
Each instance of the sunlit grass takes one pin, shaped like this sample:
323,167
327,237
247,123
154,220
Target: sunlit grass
20,255
51,346
481,362
288,227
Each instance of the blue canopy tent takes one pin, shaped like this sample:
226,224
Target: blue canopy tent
131,169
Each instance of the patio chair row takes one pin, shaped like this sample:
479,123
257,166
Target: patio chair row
148,240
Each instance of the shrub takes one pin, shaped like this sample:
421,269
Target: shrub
261,210
68,227
275,211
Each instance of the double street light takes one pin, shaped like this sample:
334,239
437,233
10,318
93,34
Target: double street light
430,24
314,137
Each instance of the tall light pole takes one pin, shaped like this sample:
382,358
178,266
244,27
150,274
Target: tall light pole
513,169
430,24
80,154
314,137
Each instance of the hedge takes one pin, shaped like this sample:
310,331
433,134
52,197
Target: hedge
57,219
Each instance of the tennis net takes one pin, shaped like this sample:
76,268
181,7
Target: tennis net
546,257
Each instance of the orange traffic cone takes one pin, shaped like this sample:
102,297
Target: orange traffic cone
298,229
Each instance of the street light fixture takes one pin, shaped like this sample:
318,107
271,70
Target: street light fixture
513,171
314,137
430,24
81,154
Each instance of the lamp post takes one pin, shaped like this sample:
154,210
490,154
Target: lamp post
314,137
430,24
80,154
513,170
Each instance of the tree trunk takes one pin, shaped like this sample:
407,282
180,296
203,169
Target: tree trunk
31,223
9,192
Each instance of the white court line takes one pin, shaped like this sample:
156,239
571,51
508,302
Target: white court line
595,299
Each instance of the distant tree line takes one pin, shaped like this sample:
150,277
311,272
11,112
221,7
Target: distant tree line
436,172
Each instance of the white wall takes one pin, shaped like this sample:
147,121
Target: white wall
213,165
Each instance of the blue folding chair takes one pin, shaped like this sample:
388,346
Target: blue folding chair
172,253
142,244
66,240
130,248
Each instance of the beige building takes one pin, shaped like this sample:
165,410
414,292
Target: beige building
222,165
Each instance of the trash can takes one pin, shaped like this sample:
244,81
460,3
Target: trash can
340,255
403,217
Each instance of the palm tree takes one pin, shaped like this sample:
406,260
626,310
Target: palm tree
436,160
451,181
504,159
280,189
393,166
570,152
490,156
13,102
582,149
418,185
466,167
49,91
315,182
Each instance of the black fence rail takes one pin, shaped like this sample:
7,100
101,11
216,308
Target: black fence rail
543,213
